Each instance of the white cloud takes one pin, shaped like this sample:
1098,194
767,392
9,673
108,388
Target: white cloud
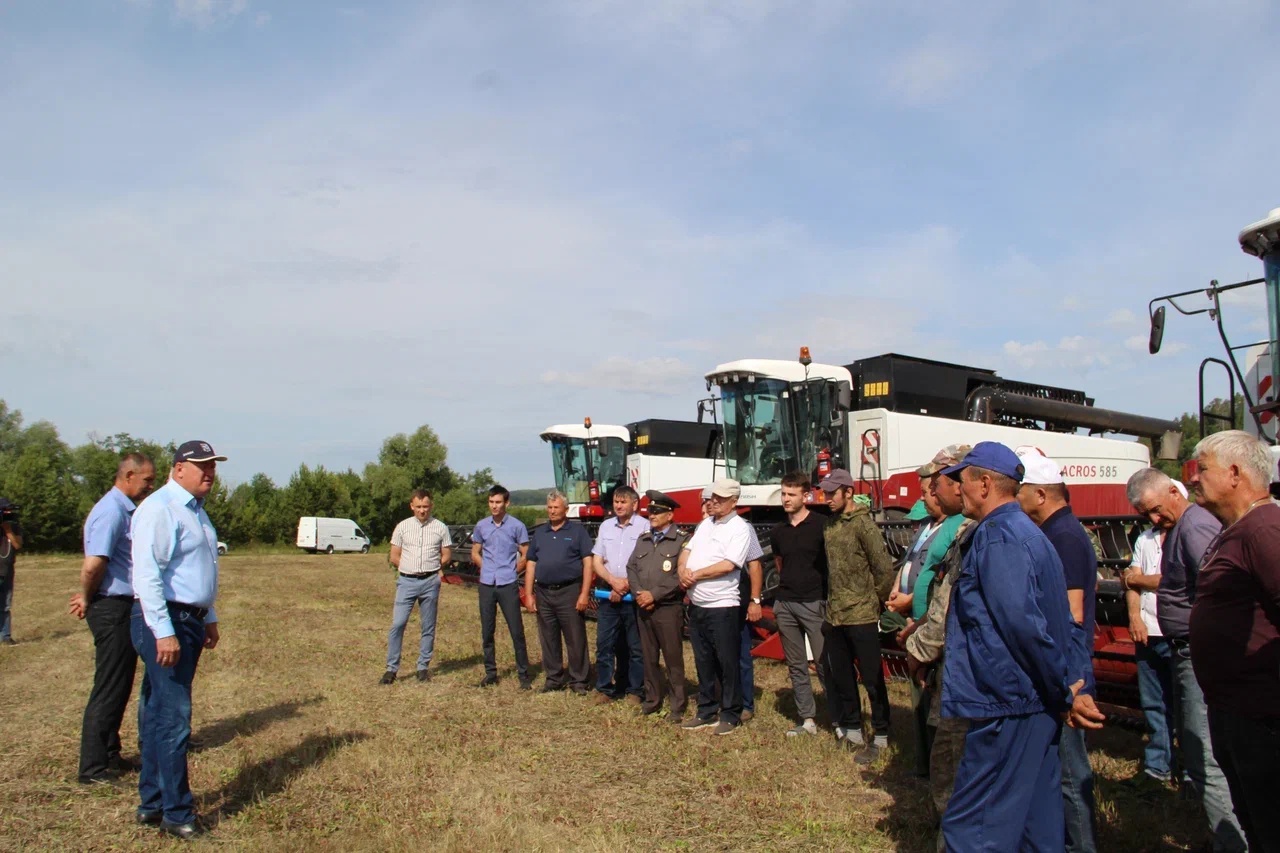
207,13
1121,317
932,70
656,376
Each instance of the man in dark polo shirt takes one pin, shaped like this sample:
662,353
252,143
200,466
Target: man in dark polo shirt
1191,530
1043,496
557,586
800,600
1235,626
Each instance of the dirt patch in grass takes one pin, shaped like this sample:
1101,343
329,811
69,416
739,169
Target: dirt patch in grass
297,746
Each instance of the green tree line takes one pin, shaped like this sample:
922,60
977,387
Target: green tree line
55,486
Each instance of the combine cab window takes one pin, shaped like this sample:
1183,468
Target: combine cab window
759,429
569,460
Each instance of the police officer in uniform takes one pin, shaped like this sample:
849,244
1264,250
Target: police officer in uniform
655,583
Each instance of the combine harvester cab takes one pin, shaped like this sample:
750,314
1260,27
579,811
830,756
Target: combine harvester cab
589,462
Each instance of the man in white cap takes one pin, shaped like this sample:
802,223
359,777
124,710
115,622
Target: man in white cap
710,567
1043,496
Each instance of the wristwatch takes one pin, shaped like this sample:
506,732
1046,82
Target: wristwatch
757,601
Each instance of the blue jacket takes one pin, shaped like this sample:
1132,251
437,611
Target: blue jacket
1009,625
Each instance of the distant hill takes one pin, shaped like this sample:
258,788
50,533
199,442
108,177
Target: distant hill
530,497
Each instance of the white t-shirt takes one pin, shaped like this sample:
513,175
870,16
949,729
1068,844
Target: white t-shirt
728,539
1146,556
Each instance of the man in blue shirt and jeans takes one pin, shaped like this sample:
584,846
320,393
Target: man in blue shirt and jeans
498,547
175,582
105,601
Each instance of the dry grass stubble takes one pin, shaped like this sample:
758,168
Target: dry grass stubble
297,745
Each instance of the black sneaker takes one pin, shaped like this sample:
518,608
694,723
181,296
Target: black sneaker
388,678
526,684
488,681
424,675
146,818
551,688
698,722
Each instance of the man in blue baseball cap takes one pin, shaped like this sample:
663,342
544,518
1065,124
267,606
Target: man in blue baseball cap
1007,645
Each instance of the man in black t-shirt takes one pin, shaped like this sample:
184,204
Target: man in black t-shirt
799,602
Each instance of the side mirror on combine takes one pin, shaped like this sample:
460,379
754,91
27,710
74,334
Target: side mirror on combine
844,396
1157,331
1170,444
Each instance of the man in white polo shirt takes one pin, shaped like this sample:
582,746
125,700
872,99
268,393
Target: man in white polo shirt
420,547
710,569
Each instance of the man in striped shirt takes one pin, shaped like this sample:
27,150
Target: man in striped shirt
420,548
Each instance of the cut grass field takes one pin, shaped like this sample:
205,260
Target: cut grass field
298,747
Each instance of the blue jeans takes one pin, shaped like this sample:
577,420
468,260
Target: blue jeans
424,592
164,716
747,668
1077,791
1155,690
1197,753
618,634
6,602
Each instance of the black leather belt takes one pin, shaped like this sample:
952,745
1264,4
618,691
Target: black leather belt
417,577
562,585
99,597
198,612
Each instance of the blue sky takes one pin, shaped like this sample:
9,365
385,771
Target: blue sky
295,228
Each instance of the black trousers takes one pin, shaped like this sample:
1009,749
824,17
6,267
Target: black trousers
850,650
115,663
716,634
507,597
1248,751
558,616
661,631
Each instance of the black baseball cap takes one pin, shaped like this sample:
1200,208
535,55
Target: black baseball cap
196,451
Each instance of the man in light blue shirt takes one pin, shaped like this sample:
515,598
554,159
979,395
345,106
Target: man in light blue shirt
617,631
175,581
499,544
105,601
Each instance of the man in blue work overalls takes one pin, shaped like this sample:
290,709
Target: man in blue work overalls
1009,664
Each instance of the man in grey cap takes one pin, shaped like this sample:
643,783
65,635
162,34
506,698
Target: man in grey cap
710,567
655,582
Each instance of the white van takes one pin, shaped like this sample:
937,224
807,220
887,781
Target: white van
331,534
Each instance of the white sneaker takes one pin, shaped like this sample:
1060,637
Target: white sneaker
806,728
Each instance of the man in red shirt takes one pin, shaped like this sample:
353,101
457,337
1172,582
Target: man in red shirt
1235,626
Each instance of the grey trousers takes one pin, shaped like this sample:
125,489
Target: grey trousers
797,620
558,615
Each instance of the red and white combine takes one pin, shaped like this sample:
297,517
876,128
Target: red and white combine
883,417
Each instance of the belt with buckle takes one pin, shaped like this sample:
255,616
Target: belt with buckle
562,585
417,577
198,612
